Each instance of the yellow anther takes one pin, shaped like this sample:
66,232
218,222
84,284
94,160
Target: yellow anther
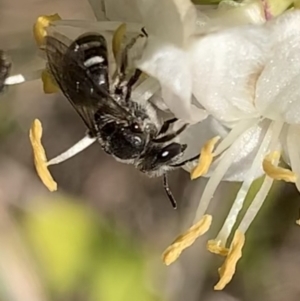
278,7
40,159
275,172
40,27
118,39
187,239
215,247
49,85
227,270
205,159
297,4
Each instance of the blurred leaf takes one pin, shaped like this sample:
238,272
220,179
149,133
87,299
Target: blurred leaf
61,234
77,251
277,7
7,124
206,2
119,274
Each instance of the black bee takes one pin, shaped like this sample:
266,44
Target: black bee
5,67
125,129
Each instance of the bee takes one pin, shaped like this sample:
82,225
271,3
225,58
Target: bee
127,130
5,67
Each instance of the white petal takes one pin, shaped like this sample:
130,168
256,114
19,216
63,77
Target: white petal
232,13
278,89
98,9
169,65
121,10
285,25
225,66
169,20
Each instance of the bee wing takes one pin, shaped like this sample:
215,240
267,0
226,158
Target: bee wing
77,84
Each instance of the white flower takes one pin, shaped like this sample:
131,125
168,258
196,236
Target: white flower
228,73
247,78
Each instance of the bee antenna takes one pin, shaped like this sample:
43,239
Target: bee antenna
168,191
73,150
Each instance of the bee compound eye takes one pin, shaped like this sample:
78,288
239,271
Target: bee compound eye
169,152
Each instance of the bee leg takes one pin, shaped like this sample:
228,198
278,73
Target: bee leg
124,61
134,78
171,135
168,191
144,32
195,158
123,88
166,125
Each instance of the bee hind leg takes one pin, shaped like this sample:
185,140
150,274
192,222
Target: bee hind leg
123,66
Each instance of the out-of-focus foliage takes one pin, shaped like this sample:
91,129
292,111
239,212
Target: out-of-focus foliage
75,249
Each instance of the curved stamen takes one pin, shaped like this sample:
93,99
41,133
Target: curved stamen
216,177
72,151
237,131
256,204
24,77
272,134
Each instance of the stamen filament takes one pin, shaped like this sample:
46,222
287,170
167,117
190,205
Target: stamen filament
215,179
24,77
72,151
238,130
241,196
266,186
269,139
256,204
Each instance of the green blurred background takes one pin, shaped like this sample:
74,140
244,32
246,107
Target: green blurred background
100,237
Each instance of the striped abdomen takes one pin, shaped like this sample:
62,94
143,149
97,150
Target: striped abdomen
93,48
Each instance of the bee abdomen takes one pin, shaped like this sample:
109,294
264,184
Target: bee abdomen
94,55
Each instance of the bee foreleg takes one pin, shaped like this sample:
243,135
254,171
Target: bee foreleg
171,135
168,191
195,158
166,125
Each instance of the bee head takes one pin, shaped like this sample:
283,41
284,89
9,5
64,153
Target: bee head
158,159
